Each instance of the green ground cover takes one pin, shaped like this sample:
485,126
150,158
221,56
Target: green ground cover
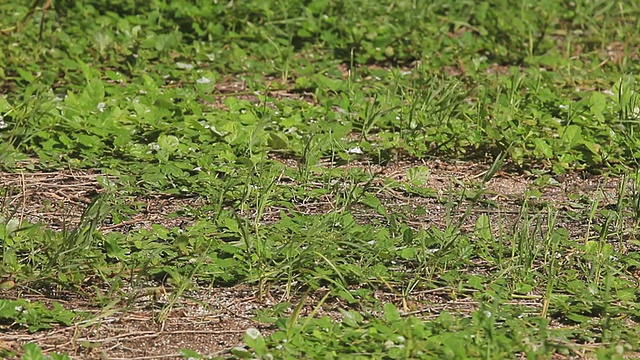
298,143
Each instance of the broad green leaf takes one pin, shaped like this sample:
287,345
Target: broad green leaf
572,136
598,104
168,142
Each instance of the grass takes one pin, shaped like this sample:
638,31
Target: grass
392,179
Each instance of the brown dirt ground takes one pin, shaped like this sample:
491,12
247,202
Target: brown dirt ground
212,321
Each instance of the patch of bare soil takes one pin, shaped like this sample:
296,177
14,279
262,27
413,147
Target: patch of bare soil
209,321
237,89
212,321
454,183
58,200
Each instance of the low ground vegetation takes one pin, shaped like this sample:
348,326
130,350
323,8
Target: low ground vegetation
319,179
